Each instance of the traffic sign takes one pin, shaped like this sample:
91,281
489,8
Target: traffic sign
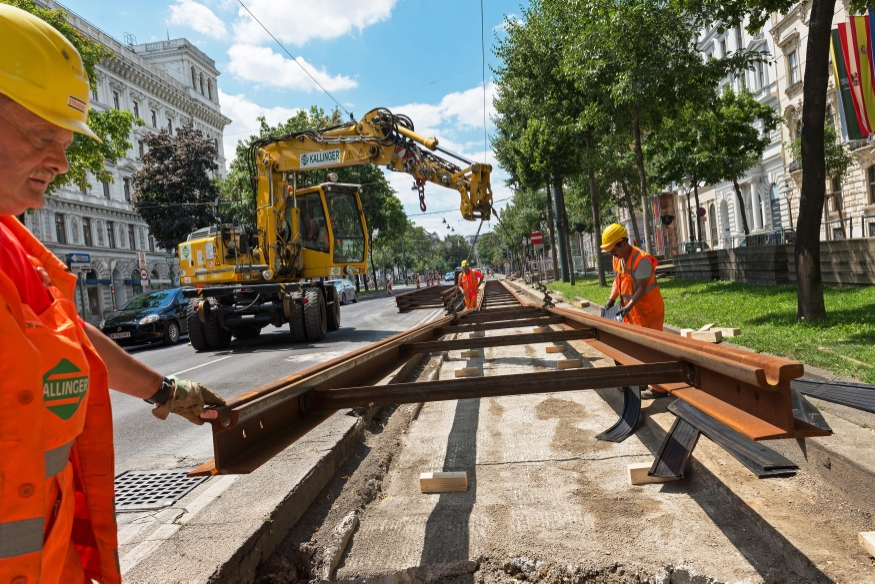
141,258
79,258
144,274
537,238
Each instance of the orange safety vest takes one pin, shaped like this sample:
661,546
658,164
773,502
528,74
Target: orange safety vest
57,509
649,311
470,282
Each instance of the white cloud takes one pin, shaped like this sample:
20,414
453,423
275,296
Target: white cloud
264,67
457,112
298,21
197,16
244,114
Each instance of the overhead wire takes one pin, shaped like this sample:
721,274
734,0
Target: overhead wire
293,57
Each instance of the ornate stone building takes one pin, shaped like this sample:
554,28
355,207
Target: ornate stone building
167,84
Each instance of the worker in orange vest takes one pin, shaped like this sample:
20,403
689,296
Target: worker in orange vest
57,510
469,282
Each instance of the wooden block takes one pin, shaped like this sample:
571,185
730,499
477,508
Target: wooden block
707,327
638,474
469,354
467,372
568,364
443,482
556,349
867,540
707,336
728,333
579,302
542,329
685,332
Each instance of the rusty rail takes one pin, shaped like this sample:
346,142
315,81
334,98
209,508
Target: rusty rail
748,392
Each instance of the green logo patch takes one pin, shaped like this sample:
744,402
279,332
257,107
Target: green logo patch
63,389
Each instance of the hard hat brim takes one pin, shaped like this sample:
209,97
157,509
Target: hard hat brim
68,123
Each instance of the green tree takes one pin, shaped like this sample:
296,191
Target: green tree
112,126
175,191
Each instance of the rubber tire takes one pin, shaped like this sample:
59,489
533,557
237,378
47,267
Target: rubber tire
168,327
217,337
315,319
245,331
296,323
196,334
333,314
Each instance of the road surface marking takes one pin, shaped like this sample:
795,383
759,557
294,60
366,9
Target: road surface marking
198,366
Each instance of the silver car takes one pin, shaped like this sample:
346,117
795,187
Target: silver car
345,290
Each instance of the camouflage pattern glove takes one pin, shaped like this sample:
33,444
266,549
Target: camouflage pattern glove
188,400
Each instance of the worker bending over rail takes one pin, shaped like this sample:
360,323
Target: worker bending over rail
469,282
635,283
57,505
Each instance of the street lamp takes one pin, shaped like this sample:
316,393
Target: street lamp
786,191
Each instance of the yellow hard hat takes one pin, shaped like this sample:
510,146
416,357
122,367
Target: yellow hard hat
42,71
613,235
464,263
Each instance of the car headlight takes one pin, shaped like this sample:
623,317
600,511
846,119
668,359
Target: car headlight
148,319
102,323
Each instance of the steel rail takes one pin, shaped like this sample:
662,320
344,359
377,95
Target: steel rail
499,341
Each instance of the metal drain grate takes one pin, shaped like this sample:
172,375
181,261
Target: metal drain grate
138,490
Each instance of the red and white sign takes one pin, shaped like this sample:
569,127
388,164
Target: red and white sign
141,258
144,275
537,238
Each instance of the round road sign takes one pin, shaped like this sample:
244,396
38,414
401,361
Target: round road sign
144,275
537,238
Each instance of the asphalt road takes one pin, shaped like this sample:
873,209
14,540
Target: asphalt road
143,442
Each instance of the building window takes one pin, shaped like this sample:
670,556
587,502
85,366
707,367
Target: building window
86,232
760,71
106,190
793,67
136,109
202,83
127,184
210,89
140,147
738,39
170,126
723,47
94,94
115,102
151,243
132,241
110,234
871,174
154,119
193,79
743,79
60,228
835,200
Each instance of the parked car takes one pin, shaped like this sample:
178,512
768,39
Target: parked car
449,276
345,290
158,316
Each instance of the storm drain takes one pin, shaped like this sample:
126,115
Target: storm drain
137,490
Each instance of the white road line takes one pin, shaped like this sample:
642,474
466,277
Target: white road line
133,557
199,366
430,316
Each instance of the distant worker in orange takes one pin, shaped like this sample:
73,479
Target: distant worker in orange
469,282
635,284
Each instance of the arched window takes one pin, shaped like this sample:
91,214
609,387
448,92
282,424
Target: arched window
210,89
871,175
193,79
202,83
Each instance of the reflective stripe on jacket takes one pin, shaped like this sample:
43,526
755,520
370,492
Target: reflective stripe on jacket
470,282
55,429
649,311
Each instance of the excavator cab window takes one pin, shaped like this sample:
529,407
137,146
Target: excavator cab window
312,225
346,227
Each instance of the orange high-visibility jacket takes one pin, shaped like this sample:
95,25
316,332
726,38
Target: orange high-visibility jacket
33,387
649,312
470,282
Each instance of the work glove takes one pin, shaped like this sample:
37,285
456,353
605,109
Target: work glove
624,311
187,400
610,303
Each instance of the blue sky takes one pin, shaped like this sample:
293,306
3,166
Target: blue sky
417,57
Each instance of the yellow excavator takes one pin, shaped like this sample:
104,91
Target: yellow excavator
248,276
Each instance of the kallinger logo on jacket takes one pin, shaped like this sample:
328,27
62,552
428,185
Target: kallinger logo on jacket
64,386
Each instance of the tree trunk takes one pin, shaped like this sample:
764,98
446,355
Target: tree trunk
596,220
696,214
552,230
563,228
631,208
809,284
639,161
741,206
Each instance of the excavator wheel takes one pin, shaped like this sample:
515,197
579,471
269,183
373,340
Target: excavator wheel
245,331
315,320
196,333
217,337
333,311
296,322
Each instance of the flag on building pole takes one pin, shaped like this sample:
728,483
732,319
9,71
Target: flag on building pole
859,27
849,53
847,113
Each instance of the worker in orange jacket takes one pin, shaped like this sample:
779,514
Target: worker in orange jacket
469,282
57,510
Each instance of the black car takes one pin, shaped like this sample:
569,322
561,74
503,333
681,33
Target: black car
149,318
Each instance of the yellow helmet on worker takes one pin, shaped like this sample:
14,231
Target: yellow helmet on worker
42,71
614,234
464,263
